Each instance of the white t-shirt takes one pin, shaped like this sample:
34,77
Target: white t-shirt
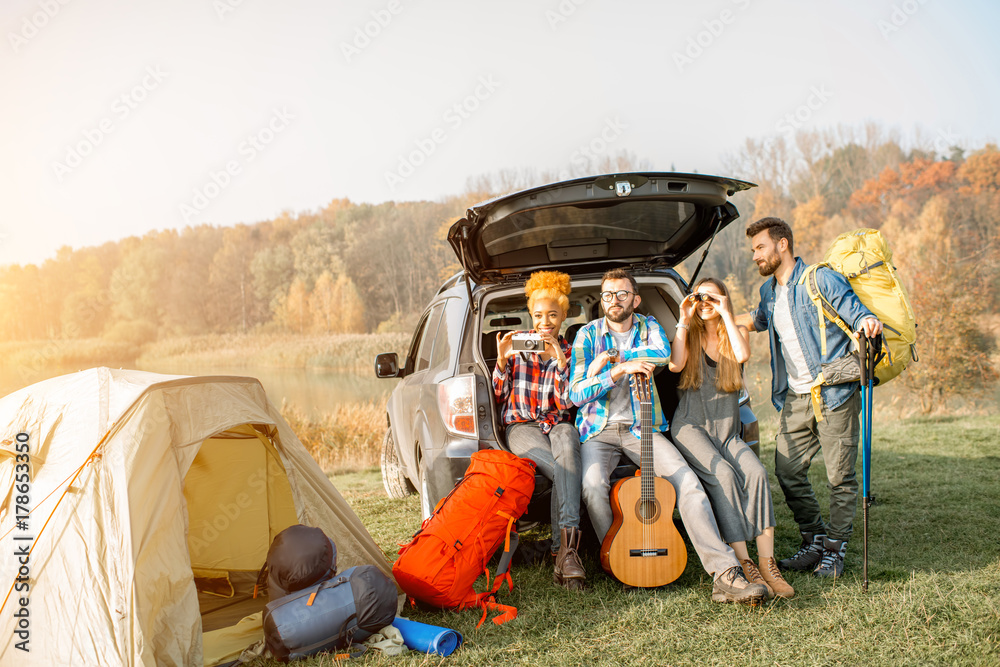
799,378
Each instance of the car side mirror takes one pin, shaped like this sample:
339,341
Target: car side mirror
386,365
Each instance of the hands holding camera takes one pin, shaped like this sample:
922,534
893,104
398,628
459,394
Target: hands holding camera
546,341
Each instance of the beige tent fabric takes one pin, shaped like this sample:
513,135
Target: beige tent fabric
168,473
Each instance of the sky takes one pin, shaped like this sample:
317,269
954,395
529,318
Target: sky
118,117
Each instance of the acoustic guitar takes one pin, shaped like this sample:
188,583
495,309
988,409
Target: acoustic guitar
643,548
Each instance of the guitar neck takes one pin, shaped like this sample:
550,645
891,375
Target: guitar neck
645,437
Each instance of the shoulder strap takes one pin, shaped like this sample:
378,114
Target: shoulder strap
824,309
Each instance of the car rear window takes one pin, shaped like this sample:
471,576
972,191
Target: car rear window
652,222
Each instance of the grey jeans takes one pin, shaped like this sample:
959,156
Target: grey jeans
800,438
601,455
557,456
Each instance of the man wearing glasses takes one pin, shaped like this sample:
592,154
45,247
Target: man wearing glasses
605,352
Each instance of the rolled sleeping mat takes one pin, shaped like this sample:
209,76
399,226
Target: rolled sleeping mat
428,638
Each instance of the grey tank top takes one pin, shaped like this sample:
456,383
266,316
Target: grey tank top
717,412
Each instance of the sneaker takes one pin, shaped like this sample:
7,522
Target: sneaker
753,575
772,577
732,586
808,555
832,562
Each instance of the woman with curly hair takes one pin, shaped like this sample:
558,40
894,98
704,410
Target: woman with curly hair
533,388
709,350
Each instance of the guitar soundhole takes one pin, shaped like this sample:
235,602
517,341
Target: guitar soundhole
648,511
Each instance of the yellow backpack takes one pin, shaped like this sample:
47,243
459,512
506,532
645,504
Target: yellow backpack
864,258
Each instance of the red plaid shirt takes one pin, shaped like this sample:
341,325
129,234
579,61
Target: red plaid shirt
532,390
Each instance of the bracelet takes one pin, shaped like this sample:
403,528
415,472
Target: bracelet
682,326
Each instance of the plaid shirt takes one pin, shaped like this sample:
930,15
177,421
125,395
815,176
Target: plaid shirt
532,390
591,394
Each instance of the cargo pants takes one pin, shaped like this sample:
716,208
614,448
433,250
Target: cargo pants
800,438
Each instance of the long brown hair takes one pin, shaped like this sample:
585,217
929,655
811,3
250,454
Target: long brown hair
729,375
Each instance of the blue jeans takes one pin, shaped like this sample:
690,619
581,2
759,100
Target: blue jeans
601,455
557,456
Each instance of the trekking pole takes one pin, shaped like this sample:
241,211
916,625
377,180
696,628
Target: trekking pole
870,360
865,392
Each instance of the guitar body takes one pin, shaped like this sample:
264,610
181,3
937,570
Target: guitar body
643,547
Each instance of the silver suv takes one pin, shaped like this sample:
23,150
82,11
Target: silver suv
444,409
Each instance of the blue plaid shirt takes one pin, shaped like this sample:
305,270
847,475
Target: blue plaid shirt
591,394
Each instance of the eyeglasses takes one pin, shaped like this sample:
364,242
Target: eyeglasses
621,295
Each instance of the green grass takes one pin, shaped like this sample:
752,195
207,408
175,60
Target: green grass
934,566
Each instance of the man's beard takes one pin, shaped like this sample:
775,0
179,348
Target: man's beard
621,317
770,265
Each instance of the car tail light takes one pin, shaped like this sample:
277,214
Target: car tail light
457,402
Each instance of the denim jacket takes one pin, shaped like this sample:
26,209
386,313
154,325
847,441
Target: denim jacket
838,292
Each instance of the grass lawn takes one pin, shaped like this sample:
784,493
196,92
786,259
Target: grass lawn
934,566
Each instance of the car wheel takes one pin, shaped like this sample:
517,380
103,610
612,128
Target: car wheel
393,478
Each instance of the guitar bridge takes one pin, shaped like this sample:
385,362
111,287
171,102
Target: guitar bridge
646,553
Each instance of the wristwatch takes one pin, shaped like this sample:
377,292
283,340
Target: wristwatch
612,354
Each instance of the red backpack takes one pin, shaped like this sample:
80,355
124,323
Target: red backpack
454,545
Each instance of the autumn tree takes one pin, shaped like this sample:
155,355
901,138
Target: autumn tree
293,311
234,302
942,261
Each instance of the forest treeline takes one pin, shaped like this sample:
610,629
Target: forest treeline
353,268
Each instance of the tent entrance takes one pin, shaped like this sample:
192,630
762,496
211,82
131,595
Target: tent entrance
238,498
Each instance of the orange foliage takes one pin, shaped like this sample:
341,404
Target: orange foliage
919,179
808,224
982,170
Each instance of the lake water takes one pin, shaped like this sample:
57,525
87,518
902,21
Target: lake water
314,391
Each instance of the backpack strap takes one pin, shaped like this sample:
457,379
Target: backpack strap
824,311
509,547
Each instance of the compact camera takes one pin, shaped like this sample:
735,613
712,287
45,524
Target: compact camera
527,342
703,296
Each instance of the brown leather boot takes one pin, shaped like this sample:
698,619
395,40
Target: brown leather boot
569,572
772,576
754,576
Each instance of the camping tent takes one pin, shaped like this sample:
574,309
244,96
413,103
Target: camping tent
153,500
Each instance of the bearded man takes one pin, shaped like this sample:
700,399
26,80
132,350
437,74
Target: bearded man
605,352
787,313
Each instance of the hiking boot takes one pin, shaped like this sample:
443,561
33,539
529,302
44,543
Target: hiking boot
752,575
732,586
832,562
569,572
772,577
808,555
